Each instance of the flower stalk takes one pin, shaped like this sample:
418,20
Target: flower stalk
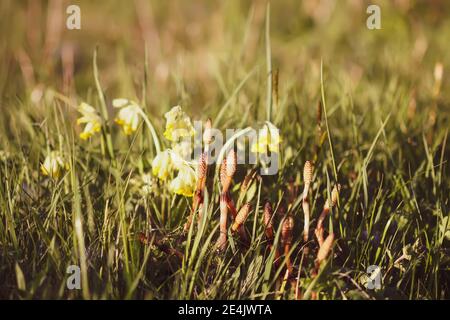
106,130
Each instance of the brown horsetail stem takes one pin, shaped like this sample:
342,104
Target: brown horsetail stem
196,202
227,171
286,240
231,206
307,177
223,172
202,172
222,241
322,254
268,224
326,210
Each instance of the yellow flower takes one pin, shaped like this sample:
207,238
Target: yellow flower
178,125
162,165
168,160
128,116
184,183
92,120
53,165
268,138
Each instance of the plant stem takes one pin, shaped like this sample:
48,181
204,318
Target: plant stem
104,111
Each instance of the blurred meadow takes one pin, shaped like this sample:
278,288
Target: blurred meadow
368,108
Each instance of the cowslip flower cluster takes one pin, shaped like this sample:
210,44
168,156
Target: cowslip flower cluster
53,165
91,118
184,183
168,161
162,165
178,126
268,139
128,116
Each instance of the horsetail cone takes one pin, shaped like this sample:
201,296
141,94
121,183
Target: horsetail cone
202,167
223,173
268,223
325,248
334,197
286,230
227,170
241,217
307,173
231,163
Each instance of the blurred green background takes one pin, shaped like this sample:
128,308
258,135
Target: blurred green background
197,46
